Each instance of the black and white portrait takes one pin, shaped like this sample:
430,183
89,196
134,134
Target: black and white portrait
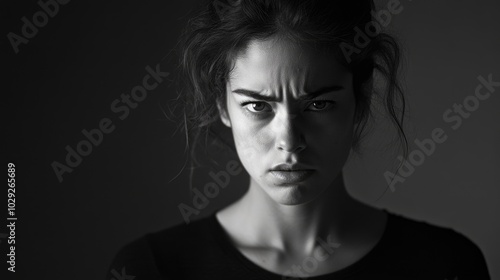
252,139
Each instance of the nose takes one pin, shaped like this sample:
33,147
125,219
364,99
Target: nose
289,137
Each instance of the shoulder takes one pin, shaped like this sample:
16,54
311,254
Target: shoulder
440,248
422,233
150,255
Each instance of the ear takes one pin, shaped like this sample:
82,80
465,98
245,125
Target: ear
224,116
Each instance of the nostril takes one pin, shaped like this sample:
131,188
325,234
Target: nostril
292,144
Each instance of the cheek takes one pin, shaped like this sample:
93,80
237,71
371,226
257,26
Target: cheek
251,142
332,146
340,131
251,150
332,138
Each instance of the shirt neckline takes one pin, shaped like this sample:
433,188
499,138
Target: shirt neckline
224,240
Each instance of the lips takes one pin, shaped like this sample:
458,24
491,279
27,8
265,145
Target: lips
290,167
290,173
291,177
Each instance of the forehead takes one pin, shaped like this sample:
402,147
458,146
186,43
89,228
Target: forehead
278,63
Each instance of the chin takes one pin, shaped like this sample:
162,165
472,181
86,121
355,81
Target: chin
293,194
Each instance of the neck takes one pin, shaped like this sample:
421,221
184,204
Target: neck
297,227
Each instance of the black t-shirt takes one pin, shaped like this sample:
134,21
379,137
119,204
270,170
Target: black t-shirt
202,249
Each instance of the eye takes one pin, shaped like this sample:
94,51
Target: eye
256,106
320,105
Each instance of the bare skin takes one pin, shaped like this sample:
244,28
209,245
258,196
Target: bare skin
279,223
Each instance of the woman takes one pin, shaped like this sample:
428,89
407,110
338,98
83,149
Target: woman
293,83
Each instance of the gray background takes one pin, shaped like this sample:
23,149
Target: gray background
90,52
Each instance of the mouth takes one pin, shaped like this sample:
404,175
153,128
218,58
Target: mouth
286,173
291,176
290,167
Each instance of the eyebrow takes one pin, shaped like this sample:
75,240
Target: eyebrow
309,96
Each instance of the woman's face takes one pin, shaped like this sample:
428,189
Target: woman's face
292,106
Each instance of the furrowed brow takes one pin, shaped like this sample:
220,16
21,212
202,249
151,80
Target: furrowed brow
309,96
320,92
255,95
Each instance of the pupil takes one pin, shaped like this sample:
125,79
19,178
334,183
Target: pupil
257,106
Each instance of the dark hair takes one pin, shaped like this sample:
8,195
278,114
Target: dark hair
215,37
